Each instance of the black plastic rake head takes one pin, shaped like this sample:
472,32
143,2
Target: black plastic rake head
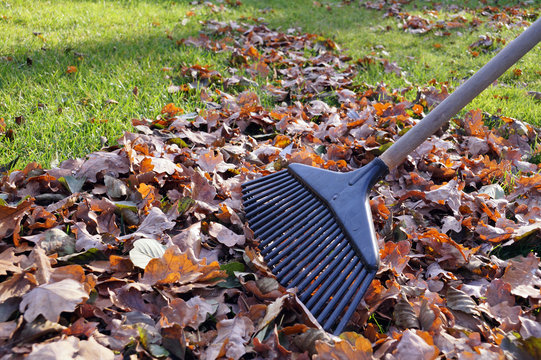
316,234
315,225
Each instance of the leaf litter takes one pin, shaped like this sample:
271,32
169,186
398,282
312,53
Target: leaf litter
142,248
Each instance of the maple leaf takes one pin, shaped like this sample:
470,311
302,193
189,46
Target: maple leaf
60,296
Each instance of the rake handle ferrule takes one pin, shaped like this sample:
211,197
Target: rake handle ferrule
449,107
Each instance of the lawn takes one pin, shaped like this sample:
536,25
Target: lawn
157,246
74,73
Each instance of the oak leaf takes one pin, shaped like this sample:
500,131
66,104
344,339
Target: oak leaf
9,262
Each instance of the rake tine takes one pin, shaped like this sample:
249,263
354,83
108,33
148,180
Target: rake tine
299,235
312,281
262,220
311,244
269,195
277,229
355,302
289,213
264,180
358,280
282,183
339,295
301,280
328,288
257,208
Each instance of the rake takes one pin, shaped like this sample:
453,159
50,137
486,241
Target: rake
315,226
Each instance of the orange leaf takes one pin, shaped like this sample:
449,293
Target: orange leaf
418,109
171,110
145,190
11,216
252,52
119,263
380,108
177,267
146,165
355,346
282,141
474,123
71,69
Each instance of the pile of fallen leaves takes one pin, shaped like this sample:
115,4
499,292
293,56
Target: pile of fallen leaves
142,248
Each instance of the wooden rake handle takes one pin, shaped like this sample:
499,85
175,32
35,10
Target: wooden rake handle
449,107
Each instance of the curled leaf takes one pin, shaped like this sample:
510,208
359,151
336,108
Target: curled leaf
403,314
459,300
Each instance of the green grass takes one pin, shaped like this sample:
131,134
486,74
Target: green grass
126,44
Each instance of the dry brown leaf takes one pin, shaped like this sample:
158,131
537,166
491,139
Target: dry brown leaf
190,313
112,163
403,314
71,348
189,239
210,162
271,348
459,300
224,235
43,263
230,341
11,216
60,296
395,255
415,344
523,275
9,261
